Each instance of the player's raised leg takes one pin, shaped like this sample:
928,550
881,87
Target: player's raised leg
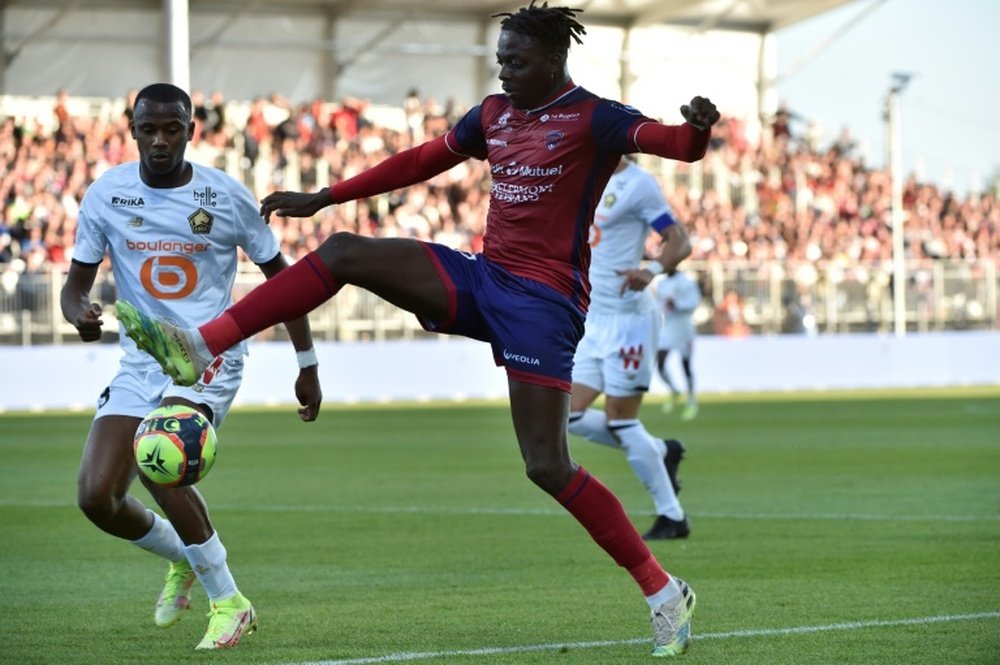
398,270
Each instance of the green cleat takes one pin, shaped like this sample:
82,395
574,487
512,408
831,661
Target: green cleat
176,594
672,623
171,346
689,412
671,402
228,621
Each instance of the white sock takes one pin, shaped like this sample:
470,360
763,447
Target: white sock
646,460
593,426
200,347
669,593
209,562
162,540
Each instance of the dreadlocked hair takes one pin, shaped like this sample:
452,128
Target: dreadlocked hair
549,26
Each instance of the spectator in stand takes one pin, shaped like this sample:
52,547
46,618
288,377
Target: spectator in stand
727,319
823,206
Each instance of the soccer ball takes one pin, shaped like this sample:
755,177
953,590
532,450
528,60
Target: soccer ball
175,445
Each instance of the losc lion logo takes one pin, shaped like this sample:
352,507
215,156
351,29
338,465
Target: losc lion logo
201,221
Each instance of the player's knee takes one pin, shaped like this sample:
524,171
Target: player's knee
339,248
550,476
98,505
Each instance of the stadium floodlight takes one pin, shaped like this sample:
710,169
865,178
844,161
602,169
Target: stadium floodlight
899,82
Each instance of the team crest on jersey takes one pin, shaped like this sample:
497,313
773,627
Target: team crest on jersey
609,200
553,138
201,221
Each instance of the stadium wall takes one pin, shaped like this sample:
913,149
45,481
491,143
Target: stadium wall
72,376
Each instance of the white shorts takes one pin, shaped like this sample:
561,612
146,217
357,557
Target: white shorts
617,352
677,336
138,388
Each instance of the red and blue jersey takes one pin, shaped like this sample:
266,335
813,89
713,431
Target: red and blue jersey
549,167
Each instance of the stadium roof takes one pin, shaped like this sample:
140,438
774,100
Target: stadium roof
751,15
326,46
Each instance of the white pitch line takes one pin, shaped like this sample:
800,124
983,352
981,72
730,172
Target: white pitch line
762,632
544,512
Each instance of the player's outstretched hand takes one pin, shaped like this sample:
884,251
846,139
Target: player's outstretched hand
294,204
701,113
309,393
635,279
88,323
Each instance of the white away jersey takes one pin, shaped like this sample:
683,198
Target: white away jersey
173,251
631,205
683,295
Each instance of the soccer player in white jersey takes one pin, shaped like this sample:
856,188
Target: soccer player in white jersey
615,356
678,296
172,230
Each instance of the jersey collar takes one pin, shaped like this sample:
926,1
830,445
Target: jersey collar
562,92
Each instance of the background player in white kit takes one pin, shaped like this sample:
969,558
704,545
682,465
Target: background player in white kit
678,296
172,230
615,355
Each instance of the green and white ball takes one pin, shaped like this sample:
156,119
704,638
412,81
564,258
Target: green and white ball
175,445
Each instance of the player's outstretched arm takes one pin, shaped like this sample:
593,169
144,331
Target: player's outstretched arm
401,170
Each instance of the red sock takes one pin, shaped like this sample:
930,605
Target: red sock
294,292
604,518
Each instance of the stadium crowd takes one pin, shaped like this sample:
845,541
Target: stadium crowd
812,204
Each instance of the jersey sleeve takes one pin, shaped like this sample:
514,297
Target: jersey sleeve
653,206
467,136
91,240
255,237
614,126
401,170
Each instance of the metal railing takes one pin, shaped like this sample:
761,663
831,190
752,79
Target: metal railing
763,299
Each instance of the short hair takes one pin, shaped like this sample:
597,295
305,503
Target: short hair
549,26
164,93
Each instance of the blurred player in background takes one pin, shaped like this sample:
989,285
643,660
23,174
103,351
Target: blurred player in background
552,147
615,355
172,230
678,296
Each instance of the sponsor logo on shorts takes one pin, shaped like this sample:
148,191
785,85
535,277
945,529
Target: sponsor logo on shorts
520,358
631,356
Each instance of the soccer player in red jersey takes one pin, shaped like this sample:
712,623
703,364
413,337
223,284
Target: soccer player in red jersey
552,146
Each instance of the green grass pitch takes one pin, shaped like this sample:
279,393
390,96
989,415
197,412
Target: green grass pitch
830,528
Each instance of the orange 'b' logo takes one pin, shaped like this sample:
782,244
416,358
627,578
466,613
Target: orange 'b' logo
169,277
